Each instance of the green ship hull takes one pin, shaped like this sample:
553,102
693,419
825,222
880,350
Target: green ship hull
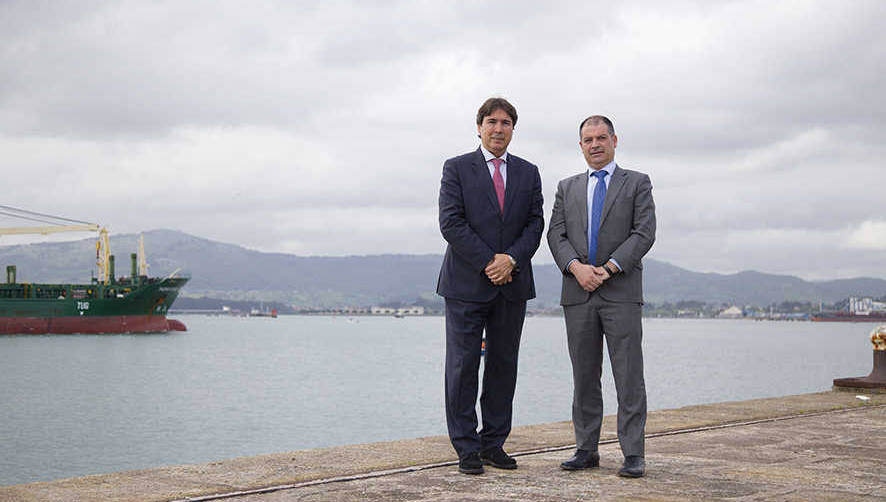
131,306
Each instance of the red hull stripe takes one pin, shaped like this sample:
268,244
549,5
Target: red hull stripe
849,319
88,325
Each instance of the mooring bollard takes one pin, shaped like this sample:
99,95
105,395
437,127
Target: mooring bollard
876,381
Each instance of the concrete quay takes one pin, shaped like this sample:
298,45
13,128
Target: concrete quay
826,446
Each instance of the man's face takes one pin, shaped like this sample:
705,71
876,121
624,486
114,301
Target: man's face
495,131
597,145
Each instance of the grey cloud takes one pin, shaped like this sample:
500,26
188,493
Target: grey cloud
147,68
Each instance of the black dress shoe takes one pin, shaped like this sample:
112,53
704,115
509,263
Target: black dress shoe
634,467
583,459
470,464
496,457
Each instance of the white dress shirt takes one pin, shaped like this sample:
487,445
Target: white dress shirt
504,165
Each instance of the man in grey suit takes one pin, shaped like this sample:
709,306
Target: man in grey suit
602,225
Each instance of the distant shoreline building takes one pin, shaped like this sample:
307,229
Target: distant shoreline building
865,306
398,311
732,312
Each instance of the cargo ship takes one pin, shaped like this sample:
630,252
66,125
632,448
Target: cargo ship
858,310
132,305
106,305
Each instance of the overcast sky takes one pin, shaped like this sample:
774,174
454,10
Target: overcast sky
320,128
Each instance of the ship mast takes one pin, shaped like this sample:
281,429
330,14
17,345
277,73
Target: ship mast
56,224
103,256
142,257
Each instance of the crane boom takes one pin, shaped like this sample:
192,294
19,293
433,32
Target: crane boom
102,246
51,229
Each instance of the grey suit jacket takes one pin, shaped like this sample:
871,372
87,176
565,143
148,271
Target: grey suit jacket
627,231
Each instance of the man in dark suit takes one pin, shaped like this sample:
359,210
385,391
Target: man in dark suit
603,223
491,217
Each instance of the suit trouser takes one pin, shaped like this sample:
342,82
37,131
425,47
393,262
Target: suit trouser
465,323
621,324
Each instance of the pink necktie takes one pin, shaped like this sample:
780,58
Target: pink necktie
499,183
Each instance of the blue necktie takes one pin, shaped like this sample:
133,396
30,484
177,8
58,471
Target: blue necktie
594,217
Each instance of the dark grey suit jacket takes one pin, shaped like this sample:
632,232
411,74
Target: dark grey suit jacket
627,231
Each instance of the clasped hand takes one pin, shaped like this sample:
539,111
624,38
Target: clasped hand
499,269
589,277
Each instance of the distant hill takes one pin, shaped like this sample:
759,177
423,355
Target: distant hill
232,272
666,282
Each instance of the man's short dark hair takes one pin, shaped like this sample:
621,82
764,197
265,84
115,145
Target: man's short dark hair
597,120
492,104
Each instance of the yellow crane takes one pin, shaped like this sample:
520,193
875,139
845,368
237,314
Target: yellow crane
102,245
